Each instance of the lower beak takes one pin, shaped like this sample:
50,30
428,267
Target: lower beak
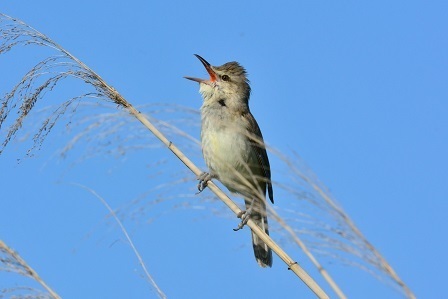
195,79
207,67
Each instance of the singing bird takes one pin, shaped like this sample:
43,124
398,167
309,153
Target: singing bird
233,146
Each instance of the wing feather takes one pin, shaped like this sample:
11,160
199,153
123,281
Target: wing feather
260,148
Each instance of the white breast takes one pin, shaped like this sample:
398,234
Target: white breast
226,150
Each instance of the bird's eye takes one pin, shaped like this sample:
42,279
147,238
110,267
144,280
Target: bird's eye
225,78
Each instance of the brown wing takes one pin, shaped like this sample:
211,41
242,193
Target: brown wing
260,148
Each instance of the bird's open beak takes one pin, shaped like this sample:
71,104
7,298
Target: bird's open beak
207,67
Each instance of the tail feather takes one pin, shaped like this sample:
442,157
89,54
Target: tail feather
263,254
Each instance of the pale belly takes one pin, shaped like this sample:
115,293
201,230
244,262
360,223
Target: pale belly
228,156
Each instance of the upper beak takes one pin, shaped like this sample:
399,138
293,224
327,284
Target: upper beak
207,67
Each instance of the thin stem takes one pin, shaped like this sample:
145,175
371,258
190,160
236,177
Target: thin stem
313,259
385,265
128,238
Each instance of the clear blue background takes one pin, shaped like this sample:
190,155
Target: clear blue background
358,89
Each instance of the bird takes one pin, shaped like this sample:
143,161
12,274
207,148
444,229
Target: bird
233,146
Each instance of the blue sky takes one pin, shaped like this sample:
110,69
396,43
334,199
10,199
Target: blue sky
357,89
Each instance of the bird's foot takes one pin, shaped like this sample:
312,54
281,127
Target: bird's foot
203,180
245,216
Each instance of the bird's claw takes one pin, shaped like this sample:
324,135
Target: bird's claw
203,180
245,216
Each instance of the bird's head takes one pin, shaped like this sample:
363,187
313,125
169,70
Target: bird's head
226,81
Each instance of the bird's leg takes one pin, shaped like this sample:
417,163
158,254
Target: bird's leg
245,216
203,179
